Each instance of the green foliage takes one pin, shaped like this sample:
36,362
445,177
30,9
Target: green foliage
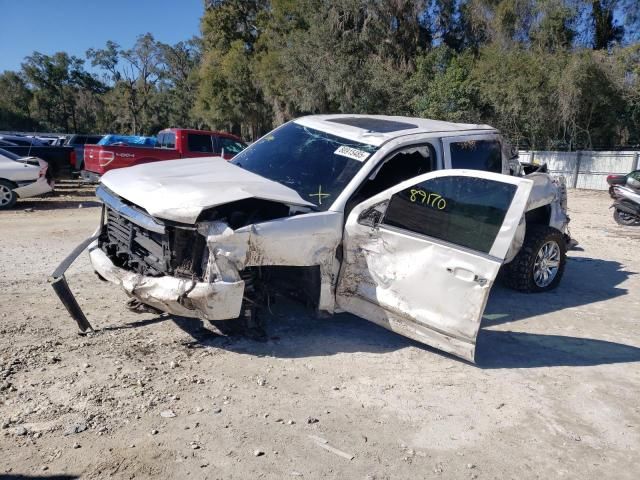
15,103
548,73
442,87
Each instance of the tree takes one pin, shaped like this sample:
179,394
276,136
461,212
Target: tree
517,89
56,81
15,103
443,89
605,30
590,102
179,83
555,28
135,73
228,95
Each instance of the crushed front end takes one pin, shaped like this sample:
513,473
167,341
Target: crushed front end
162,264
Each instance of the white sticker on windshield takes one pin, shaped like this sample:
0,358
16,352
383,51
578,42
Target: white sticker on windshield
354,153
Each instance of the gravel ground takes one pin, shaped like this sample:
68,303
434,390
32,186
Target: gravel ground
555,393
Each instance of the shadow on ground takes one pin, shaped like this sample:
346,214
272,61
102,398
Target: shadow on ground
54,204
293,332
527,350
586,281
298,335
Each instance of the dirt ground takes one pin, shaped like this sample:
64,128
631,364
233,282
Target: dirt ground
555,392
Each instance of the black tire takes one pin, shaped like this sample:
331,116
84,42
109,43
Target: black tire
8,197
519,273
625,219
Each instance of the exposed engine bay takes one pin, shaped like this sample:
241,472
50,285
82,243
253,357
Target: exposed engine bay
188,259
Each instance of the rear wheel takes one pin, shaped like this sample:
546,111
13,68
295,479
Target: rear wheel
540,263
624,218
8,197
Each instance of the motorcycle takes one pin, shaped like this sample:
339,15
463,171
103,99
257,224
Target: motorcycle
613,180
626,205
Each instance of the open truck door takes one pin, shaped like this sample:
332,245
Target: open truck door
420,258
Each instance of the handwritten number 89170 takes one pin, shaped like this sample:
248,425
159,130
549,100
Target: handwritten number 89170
433,200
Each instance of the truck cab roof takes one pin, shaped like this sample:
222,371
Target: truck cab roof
378,129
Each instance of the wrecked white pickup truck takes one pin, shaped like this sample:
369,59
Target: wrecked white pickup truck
404,222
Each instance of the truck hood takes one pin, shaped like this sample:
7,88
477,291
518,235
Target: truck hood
180,190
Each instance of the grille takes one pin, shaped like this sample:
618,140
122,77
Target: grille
133,247
178,252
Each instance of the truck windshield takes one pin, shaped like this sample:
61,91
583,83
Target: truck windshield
315,164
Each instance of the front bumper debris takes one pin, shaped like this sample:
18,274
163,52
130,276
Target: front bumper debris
60,286
218,300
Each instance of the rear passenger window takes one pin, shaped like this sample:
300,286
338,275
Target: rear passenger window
199,143
465,211
483,155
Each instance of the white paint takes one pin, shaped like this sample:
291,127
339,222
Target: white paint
22,172
217,300
180,190
303,240
420,287
38,187
424,126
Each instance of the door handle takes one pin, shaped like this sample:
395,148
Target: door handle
467,275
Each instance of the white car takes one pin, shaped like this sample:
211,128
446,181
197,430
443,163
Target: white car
21,177
404,222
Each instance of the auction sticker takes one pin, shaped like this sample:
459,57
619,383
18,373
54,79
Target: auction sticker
354,153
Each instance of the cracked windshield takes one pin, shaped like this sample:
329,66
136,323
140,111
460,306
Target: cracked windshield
315,164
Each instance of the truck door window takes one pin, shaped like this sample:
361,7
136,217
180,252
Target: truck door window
483,155
199,143
396,168
465,211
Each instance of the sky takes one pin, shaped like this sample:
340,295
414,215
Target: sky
73,26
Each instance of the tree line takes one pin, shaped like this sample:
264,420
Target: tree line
550,74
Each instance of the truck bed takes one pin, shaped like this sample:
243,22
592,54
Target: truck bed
98,158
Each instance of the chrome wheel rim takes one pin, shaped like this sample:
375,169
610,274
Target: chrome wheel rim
5,195
547,264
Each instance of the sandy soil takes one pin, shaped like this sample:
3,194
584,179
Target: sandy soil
555,393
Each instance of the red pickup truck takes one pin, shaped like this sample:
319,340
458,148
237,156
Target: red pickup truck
173,143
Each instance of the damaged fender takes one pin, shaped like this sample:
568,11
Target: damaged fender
304,240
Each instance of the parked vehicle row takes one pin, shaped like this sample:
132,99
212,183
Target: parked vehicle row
58,157
93,155
171,144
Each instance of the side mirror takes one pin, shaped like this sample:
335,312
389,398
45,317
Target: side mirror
372,216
